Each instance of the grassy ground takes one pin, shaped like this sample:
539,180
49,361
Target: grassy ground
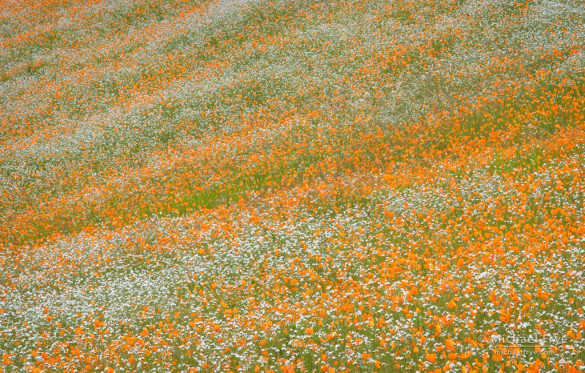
292,186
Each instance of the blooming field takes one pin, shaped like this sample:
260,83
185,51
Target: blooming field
292,185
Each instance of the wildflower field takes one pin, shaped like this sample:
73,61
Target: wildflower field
292,185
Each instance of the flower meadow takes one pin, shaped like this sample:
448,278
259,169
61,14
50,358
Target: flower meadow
292,186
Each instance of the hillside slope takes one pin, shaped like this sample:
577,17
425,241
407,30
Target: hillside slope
277,185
